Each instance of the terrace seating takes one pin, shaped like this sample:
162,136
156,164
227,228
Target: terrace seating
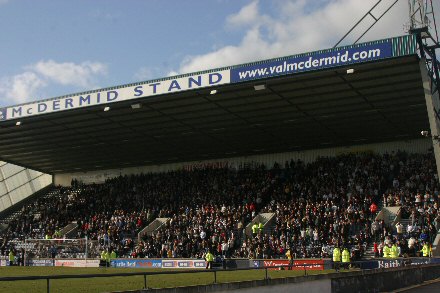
309,208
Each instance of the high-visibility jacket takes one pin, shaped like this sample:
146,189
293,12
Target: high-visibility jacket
425,250
103,255
113,255
11,256
260,227
386,251
255,228
394,251
289,255
345,255
336,254
209,257
107,256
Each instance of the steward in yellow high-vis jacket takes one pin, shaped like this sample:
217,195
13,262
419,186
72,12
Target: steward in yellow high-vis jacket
345,258
336,258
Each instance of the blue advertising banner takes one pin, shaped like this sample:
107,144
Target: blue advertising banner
394,263
136,263
368,265
313,61
40,263
435,260
183,264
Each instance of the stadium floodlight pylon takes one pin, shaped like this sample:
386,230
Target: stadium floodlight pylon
369,13
423,24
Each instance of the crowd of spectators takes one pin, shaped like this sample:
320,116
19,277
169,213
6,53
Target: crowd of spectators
322,204
415,189
316,206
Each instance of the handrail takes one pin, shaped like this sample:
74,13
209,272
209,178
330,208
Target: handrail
145,274
156,273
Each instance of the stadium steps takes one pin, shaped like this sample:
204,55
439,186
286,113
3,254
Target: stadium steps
267,219
70,230
405,223
369,252
157,224
369,249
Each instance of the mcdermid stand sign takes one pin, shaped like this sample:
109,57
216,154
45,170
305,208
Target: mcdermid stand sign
318,60
117,94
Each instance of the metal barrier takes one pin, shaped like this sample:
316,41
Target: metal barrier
145,274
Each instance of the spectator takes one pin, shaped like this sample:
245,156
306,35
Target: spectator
373,209
316,205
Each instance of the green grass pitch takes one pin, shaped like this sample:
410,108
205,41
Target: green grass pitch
124,283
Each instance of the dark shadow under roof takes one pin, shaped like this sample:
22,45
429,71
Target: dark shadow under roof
381,101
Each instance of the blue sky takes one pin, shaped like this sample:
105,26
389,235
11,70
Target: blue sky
51,48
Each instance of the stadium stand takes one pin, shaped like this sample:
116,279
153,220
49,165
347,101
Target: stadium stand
316,206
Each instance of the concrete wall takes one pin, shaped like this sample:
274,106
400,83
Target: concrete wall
412,146
307,284
377,280
17,183
381,280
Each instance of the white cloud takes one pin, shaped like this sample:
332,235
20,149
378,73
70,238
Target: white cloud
246,16
296,27
68,73
21,87
172,73
28,85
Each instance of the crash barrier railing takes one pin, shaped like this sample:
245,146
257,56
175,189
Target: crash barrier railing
215,271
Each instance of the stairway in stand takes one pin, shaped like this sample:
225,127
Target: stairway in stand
369,252
405,223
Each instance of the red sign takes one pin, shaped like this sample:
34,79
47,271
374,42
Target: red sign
77,263
298,264
275,263
312,264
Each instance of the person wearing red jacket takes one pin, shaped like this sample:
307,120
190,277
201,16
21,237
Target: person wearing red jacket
373,209
376,250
